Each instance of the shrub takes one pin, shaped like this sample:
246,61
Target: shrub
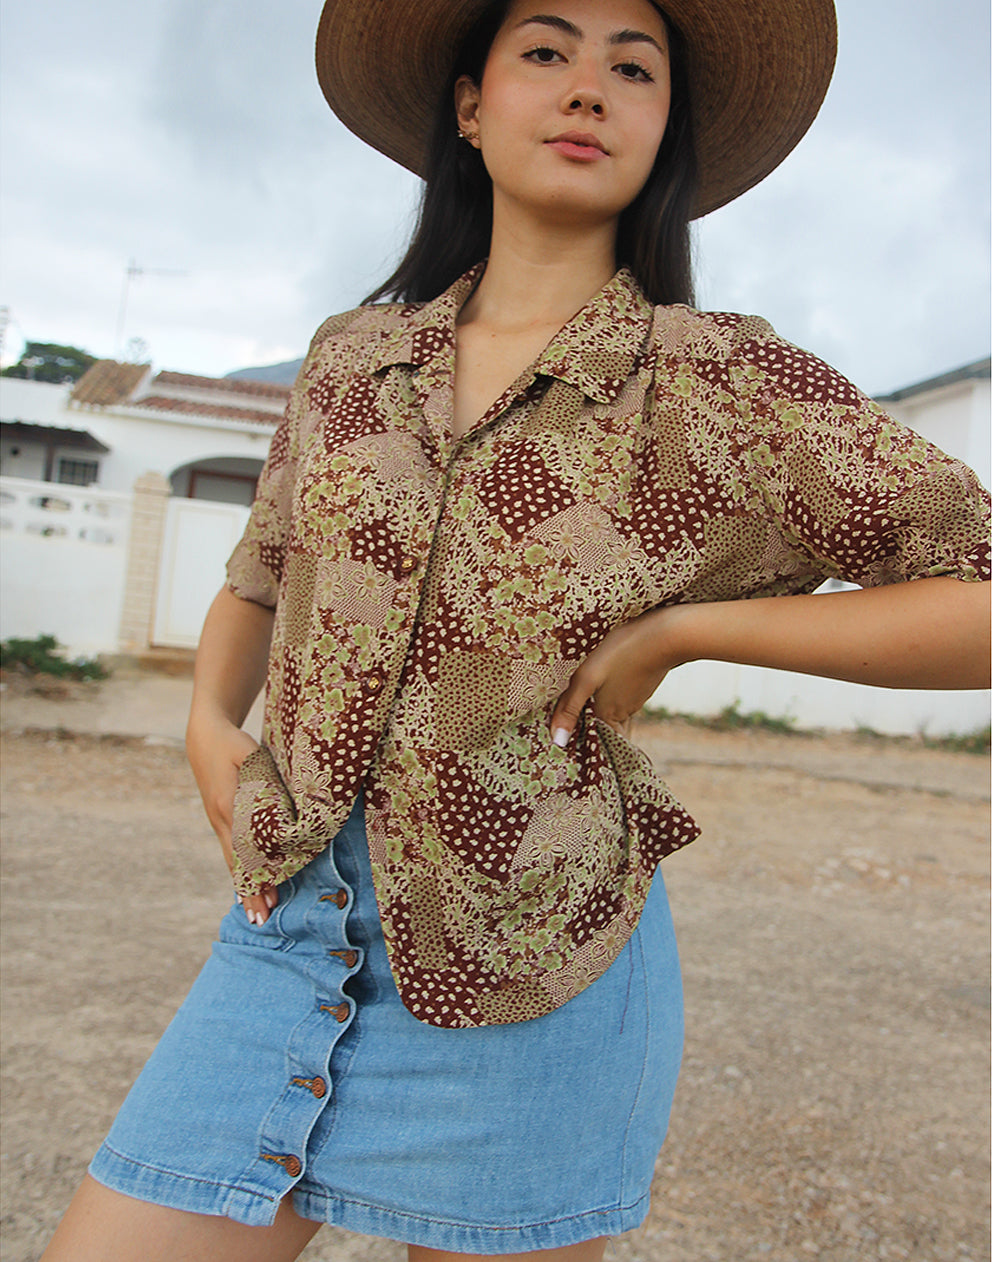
44,656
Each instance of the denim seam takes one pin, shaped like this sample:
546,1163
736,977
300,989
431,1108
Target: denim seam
644,1061
333,1199
190,1178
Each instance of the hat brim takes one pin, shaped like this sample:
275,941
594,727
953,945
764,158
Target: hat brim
758,73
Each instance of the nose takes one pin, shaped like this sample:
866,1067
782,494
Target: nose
586,103
585,93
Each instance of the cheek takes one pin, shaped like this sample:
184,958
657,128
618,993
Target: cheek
651,137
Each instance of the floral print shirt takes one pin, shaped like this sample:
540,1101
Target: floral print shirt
433,597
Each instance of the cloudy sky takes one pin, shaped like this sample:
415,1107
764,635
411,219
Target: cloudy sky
190,137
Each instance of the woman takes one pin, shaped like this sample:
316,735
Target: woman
447,1009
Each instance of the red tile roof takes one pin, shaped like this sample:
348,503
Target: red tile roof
106,382
192,407
235,385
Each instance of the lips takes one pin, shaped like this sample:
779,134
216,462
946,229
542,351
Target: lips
579,140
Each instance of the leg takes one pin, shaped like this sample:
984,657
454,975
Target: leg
101,1225
587,1251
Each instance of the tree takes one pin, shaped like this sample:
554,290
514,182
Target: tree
44,361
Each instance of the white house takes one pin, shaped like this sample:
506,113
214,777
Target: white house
121,498
126,492
207,436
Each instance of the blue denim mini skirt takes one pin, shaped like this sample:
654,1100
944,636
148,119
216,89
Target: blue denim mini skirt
292,1068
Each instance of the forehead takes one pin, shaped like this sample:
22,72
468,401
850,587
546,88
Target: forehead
595,18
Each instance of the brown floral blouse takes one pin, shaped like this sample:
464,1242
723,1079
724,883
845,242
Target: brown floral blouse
433,598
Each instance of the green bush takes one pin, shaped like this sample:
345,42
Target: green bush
731,719
43,656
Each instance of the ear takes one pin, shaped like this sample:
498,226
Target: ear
467,97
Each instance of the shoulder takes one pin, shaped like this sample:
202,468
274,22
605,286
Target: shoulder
352,342
746,353
681,331
375,318
348,339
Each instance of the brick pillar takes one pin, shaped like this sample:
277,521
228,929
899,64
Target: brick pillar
144,553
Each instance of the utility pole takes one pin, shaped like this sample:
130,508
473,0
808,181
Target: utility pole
130,273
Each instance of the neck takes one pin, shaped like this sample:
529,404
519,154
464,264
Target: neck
539,274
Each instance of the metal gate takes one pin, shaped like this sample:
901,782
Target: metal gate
199,537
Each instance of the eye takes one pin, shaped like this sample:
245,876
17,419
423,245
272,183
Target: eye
543,55
634,70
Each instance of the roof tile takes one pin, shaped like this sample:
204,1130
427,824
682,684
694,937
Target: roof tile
107,382
191,407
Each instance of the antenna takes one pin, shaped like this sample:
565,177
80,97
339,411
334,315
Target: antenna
130,273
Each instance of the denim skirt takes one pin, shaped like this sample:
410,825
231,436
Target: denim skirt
292,1068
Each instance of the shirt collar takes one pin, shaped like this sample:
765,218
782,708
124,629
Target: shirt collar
583,353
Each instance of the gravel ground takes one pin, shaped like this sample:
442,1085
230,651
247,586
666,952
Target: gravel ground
833,926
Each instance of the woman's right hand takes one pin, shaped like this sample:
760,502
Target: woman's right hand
216,748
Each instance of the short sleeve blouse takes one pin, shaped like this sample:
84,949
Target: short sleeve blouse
434,596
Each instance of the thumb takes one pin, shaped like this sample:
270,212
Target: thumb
569,707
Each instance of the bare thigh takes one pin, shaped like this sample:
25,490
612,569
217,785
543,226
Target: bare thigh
587,1251
101,1225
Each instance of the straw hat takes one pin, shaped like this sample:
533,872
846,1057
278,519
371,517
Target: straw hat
758,71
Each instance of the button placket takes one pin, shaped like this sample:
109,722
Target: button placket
309,1091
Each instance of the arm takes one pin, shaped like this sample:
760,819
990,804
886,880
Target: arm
231,665
930,633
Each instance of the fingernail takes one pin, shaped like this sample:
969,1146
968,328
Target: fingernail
251,916
560,737
270,899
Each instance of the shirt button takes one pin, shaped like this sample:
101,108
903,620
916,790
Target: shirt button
319,1088
373,683
340,899
408,564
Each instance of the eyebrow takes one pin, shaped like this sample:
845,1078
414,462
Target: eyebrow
569,28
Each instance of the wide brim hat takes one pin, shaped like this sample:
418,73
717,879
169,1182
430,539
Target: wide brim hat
758,72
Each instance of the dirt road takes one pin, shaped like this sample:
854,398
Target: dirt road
832,920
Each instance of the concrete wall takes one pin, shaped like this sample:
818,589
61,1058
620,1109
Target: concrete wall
62,563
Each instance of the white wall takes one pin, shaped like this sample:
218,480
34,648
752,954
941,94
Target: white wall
34,403
63,552
142,442
709,687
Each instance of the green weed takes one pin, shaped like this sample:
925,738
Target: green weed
44,656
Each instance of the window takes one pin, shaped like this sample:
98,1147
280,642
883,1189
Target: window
78,472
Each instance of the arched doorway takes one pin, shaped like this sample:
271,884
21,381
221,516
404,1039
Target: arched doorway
221,479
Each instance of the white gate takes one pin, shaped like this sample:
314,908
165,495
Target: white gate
199,537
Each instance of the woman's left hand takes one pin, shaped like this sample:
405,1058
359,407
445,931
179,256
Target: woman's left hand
619,675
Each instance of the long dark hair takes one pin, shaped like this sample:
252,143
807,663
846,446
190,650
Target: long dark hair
455,224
